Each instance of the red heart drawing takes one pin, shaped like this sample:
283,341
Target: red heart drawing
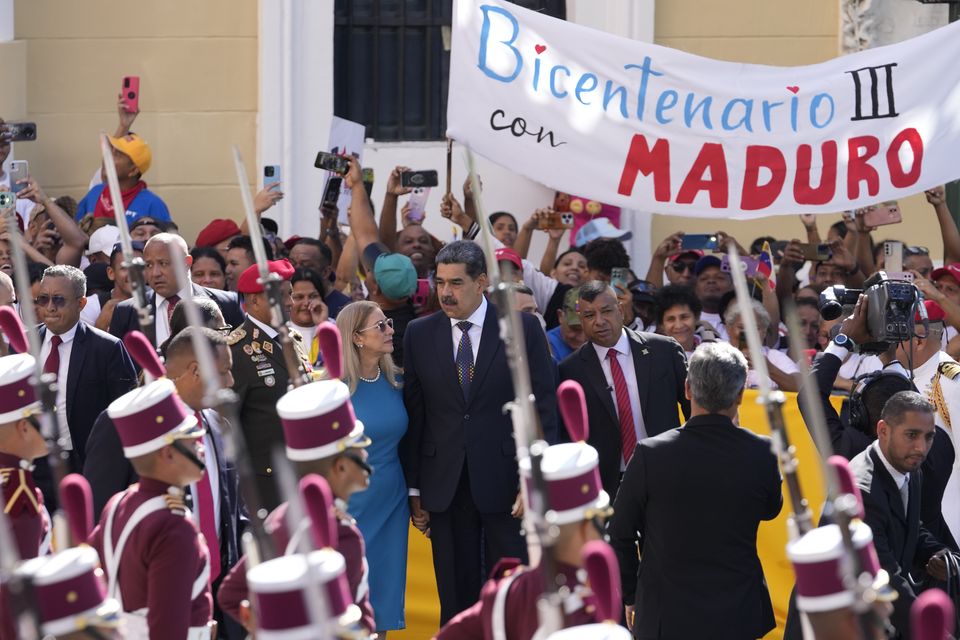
540,48
793,89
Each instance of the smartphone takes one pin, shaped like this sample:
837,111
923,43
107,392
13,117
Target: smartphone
130,94
422,295
332,162
893,255
750,265
19,131
619,277
561,202
418,204
419,179
7,199
556,220
701,241
368,180
271,176
19,170
883,214
777,249
815,252
331,194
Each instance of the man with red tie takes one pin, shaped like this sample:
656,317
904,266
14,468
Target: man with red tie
92,367
633,381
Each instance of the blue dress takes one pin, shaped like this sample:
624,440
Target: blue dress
382,511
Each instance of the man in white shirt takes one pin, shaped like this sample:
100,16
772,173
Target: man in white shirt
92,367
888,474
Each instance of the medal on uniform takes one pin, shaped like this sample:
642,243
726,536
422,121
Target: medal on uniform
256,347
269,381
247,349
266,372
268,346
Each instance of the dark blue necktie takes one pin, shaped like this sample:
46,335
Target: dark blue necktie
465,357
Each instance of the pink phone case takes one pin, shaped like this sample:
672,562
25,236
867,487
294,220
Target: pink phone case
130,93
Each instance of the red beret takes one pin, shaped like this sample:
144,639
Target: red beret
934,312
216,232
247,282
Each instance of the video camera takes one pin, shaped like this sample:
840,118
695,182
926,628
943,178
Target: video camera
891,305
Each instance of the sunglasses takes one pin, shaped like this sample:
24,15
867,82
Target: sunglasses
681,267
43,300
382,325
915,251
358,460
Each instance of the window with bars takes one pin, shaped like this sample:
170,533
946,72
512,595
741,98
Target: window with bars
391,64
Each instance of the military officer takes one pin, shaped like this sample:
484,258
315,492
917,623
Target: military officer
20,444
164,587
260,373
322,437
508,601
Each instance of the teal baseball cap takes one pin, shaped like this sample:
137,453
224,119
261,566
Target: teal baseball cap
396,276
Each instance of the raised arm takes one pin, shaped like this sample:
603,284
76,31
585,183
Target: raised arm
948,228
388,213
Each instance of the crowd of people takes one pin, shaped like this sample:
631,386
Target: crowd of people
403,421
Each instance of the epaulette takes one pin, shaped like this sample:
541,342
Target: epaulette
236,336
296,335
949,369
175,504
13,493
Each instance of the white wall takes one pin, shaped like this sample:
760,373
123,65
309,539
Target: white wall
296,104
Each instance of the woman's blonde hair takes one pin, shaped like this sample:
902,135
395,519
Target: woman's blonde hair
352,318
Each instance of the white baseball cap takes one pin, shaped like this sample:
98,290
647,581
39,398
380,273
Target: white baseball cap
103,239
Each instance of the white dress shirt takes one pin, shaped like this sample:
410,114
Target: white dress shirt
899,479
475,331
160,322
625,360
213,472
66,348
267,329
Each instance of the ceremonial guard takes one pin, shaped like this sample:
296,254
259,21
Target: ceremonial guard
157,563
20,444
71,596
260,373
323,437
508,601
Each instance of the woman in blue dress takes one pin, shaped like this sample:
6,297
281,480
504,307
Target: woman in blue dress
382,511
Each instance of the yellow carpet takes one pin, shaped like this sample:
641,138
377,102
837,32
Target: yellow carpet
423,607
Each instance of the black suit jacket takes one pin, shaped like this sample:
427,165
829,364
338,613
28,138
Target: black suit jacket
848,442
446,431
696,496
109,472
125,317
899,537
661,369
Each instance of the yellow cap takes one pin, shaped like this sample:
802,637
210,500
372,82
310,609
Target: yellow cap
133,146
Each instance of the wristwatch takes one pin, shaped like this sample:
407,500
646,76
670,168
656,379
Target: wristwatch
843,341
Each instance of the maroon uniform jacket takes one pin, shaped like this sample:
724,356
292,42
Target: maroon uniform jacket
23,504
163,560
234,590
519,618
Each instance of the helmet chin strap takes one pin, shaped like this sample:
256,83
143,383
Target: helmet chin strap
188,454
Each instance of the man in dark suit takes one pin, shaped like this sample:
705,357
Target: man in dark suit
696,496
633,381
92,367
164,294
888,474
260,374
109,472
459,455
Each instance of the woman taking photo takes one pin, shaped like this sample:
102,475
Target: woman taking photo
308,310
382,512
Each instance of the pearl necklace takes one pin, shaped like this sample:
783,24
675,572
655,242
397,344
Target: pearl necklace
373,379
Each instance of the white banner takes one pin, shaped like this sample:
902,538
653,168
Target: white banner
649,128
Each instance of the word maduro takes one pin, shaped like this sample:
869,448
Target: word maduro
709,171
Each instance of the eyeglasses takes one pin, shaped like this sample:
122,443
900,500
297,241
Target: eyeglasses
382,325
681,267
59,302
915,251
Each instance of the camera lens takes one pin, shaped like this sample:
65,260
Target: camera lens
268,172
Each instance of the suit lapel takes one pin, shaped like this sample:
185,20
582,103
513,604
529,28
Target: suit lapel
641,367
78,354
594,373
890,487
151,330
489,346
443,347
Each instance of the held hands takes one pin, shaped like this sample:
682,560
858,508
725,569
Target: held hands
419,517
